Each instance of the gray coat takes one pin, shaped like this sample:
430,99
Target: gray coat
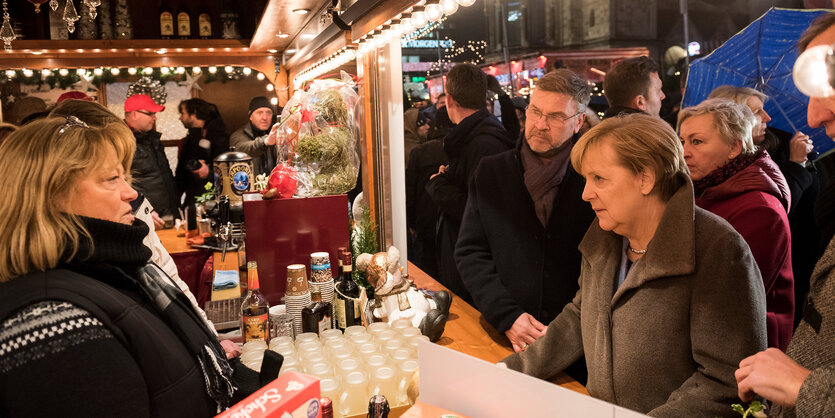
667,343
815,349
263,156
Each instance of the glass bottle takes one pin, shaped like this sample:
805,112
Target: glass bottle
183,23
166,21
254,310
204,23
317,316
346,307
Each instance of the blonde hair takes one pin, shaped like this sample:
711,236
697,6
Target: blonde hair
734,122
41,165
640,142
738,95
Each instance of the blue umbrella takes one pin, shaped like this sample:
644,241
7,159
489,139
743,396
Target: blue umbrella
761,56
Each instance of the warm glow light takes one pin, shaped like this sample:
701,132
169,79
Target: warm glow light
466,3
114,71
163,70
212,70
274,101
449,6
196,70
28,73
64,72
98,71
270,87
301,11
418,19
433,12
247,71
283,35
260,76
46,73
10,73
148,71
181,70
229,69
132,70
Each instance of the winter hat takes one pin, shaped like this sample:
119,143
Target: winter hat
258,103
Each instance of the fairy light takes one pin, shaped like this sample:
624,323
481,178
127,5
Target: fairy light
270,87
46,73
11,73
196,70
228,69
148,71
114,71
181,70
28,73
132,70
260,76
274,101
247,71
164,70
212,70
64,72
98,71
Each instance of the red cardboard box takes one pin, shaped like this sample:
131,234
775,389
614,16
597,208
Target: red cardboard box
291,395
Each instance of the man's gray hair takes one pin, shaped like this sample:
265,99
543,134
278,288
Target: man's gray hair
565,81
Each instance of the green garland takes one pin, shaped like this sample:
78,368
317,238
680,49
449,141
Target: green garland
65,81
364,240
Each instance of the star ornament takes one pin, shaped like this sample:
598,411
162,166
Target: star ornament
85,85
308,115
191,82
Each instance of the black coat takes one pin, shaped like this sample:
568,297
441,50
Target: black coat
508,261
188,182
421,212
152,175
476,137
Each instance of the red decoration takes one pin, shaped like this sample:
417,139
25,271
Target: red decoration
283,180
37,4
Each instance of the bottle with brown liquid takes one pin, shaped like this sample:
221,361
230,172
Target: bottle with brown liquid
317,316
204,23
183,23
166,21
346,308
255,311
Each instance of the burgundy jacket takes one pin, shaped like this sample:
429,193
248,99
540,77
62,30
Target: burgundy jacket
755,202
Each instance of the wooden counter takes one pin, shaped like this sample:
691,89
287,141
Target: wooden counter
466,330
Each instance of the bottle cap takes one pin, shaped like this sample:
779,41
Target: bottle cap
251,265
296,280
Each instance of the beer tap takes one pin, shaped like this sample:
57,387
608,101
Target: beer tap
224,232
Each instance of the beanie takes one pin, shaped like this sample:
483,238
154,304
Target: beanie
258,103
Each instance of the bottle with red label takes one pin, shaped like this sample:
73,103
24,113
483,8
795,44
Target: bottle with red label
255,311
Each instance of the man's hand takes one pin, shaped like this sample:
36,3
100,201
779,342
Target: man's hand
232,350
771,374
203,171
799,147
158,222
272,137
441,170
525,330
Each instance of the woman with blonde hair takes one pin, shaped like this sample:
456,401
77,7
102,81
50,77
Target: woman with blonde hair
86,319
739,182
669,300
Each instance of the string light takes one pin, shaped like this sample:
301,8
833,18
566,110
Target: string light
63,72
98,71
228,69
148,71
274,101
132,70
247,71
260,76
11,73
114,71
46,73
196,70
212,70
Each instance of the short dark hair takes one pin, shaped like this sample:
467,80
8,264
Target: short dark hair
818,26
200,108
467,85
91,113
627,79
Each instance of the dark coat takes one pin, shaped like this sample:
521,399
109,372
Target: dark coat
421,212
668,341
617,110
152,174
246,141
191,150
508,261
476,137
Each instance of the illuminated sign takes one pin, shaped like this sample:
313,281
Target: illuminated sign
426,43
418,79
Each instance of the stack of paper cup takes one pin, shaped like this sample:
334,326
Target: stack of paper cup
298,294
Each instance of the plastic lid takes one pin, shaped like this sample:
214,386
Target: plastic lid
233,156
384,372
354,378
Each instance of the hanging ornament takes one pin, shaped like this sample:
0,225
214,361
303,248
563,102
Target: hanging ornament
70,16
91,7
53,4
6,33
37,4
150,87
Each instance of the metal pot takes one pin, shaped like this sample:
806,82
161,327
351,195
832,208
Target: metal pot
233,175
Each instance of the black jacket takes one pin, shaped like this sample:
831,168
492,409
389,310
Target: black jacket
263,156
508,261
421,212
218,143
152,175
617,110
476,137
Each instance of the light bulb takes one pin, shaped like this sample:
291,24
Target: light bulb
163,70
181,70
10,73
418,19
28,73
270,87
114,71
63,72
449,6
406,26
466,3
433,12
260,76
212,70
148,71
46,73
229,69
274,101
98,71
247,71
812,73
132,70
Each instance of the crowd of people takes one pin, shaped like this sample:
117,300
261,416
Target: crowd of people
656,264
673,269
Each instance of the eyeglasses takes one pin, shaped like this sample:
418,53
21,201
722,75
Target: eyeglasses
552,119
72,122
149,114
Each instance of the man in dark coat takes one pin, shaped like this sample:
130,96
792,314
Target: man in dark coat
421,212
477,134
150,169
254,139
206,139
517,249
633,86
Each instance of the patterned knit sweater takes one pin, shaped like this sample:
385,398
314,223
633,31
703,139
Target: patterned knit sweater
58,339
815,349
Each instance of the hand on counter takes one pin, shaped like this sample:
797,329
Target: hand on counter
771,374
232,350
525,330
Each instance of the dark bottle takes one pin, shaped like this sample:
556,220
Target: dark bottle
204,23
378,407
166,21
317,316
255,311
347,310
327,407
183,23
